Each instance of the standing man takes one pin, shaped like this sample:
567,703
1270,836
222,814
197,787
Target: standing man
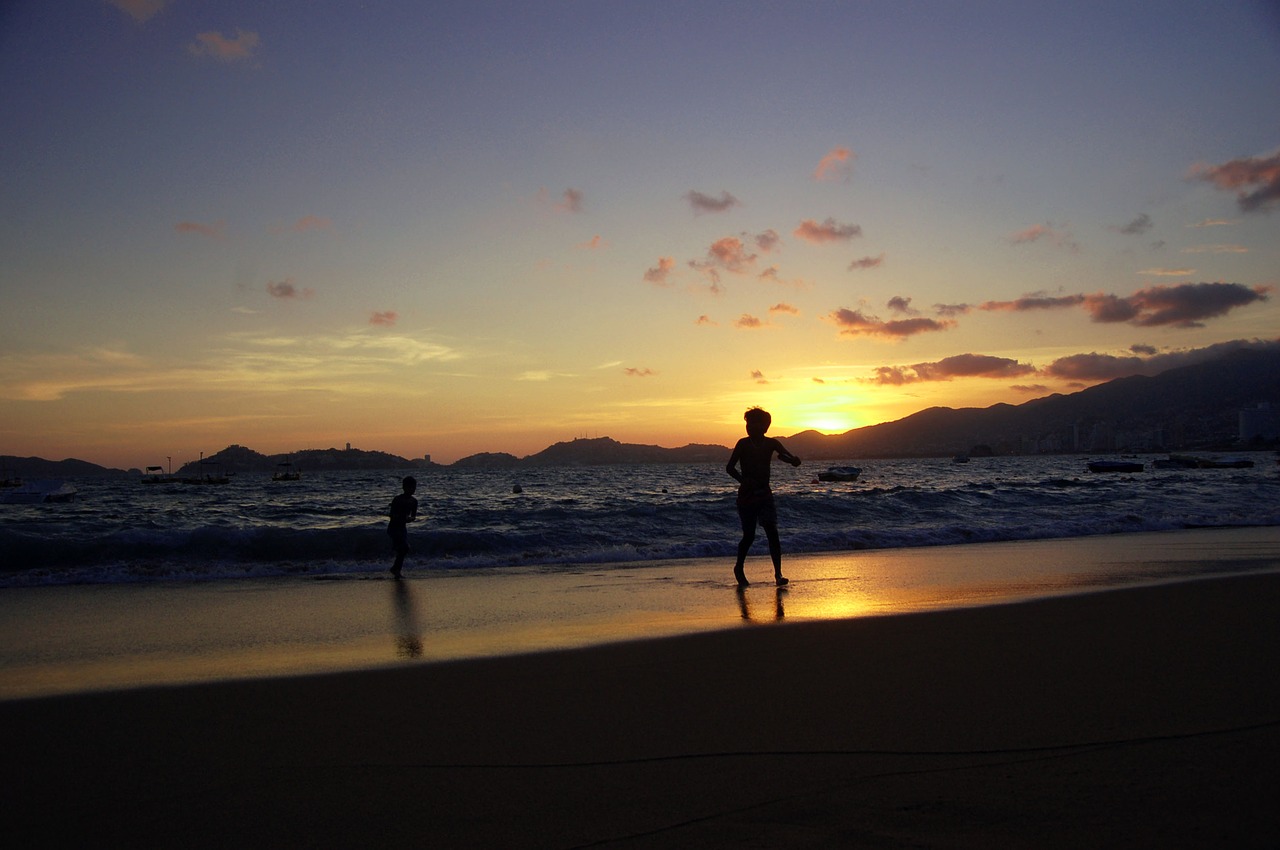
754,454
404,509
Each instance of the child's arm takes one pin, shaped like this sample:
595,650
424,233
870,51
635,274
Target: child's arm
787,456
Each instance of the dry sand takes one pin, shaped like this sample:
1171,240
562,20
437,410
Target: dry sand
1141,717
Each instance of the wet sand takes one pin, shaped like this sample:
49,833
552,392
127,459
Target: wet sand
1137,717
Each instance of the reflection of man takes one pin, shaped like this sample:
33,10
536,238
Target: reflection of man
409,639
745,609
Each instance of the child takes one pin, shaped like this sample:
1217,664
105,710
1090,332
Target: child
404,509
755,500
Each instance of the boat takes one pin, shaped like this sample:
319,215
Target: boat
1175,461
210,473
960,459
840,473
285,472
157,475
1225,463
38,492
1114,466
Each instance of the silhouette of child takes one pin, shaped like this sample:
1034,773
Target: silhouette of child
404,509
754,453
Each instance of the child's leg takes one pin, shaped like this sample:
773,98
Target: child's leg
775,551
744,545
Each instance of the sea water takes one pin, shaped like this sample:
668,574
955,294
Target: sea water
119,530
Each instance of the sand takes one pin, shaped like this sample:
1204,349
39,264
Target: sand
1145,716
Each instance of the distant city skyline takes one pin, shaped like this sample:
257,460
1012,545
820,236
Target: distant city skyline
460,227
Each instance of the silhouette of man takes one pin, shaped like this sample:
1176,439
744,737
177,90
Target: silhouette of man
754,454
404,509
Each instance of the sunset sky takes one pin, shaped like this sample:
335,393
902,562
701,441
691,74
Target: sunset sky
455,227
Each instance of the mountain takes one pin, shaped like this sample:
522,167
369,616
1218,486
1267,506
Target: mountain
1188,407
604,450
38,467
238,459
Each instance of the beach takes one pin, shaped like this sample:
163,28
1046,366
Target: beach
1147,714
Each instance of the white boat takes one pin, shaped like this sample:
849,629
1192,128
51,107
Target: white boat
840,473
38,492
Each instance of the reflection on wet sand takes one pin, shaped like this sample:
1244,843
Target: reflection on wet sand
408,632
744,607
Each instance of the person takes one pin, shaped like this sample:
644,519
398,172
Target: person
749,466
404,509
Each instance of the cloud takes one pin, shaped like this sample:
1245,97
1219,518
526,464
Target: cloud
768,241
1214,222
758,376
311,222
749,322
1168,272
1215,249
287,289
949,368
140,10
595,243
384,318
217,230
1137,227
867,262
1183,306
1034,301
215,45
836,165
952,310
899,304
1095,367
729,253
1257,180
1046,232
783,307
633,372
1029,388
855,323
658,274
570,201
702,203
828,231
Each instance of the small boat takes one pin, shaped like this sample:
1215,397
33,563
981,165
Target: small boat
157,475
840,473
1114,466
1225,463
286,472
960,459
39,492
1176,462
210,473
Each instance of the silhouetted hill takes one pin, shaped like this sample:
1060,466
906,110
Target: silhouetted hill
238,459
604,450
1187,407
38,467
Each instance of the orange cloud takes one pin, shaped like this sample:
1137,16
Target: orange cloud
1046,232
384,318
633,372
595,243
856,323
311,222
749,322
215,45
217,230
1035,301
658,274
139,10
836,165
828,231
1256,178
784,308
704,319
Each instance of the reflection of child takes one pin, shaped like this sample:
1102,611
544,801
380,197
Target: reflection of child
404,509
754,453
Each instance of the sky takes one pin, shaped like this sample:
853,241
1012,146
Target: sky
457,227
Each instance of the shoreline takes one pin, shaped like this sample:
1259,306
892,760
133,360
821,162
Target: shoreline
62,640
1137,716
58,640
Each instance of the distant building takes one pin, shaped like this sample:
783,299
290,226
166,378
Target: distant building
1259,423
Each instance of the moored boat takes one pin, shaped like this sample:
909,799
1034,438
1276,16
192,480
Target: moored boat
38,492
840,473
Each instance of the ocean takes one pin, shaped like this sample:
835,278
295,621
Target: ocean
120,531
